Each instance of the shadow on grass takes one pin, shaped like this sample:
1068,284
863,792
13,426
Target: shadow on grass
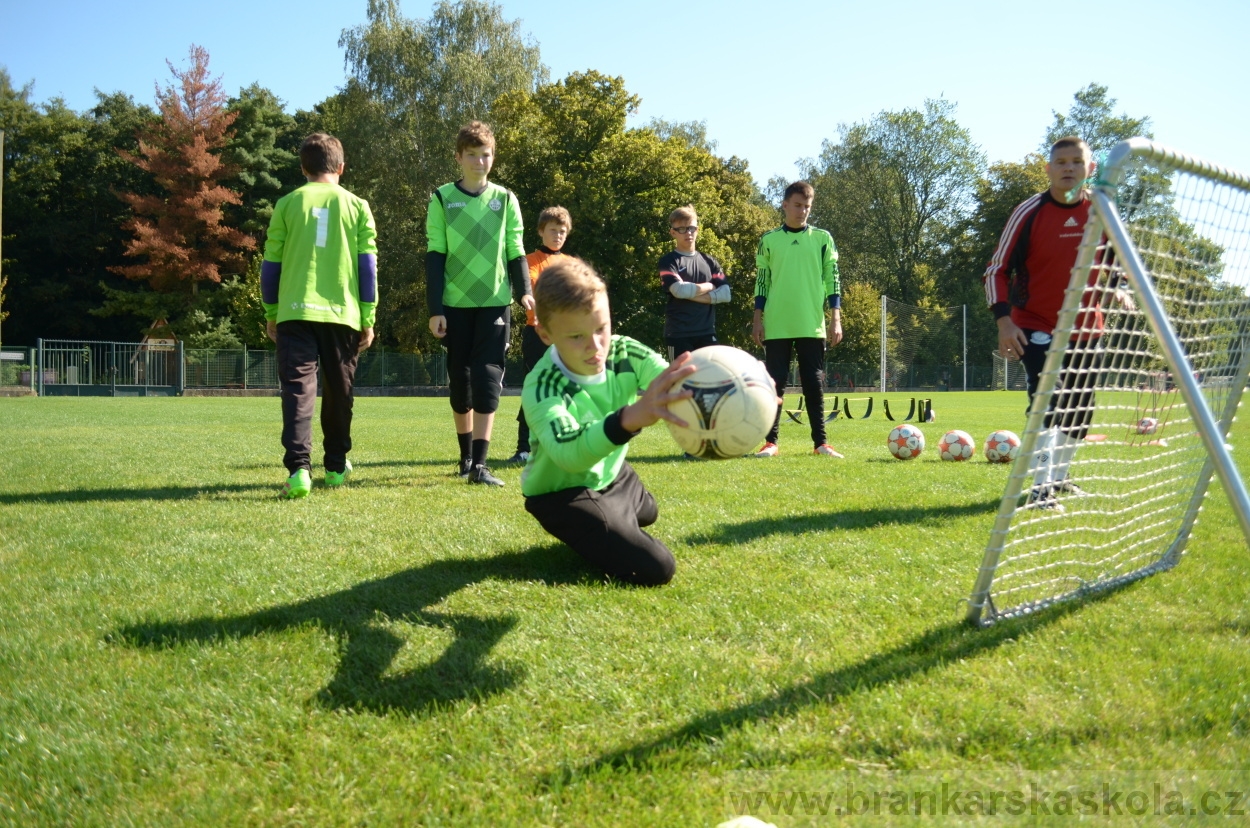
258,491
358,617
150,493
750,530
933,650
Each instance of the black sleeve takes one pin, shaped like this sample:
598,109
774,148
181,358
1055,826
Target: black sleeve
519,275
1000,309
435,276
614,431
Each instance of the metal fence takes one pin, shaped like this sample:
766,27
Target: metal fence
238,368
130,368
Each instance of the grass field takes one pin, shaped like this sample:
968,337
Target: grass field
179,647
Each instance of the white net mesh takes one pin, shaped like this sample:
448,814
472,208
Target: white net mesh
922,345
1118,470
1008,373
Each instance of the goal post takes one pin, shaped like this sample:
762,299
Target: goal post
1130,417
912,336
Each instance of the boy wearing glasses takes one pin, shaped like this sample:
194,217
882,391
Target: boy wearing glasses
694,283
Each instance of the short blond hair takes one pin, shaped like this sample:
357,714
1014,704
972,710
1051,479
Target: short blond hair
685,214
551,214
568,285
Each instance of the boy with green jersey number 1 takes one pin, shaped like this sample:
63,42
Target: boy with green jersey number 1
796,272
583,405
474,252
319,287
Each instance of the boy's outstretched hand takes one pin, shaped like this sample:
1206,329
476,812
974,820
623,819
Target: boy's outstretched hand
653,405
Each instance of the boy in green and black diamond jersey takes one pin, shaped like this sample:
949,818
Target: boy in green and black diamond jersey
474,251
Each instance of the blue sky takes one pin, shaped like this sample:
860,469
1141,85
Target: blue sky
771,80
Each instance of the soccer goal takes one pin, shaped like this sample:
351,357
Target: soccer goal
923,347
1166,256
1008,374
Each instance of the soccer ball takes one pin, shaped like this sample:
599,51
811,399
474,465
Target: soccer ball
1147,425
1002,447
931,417
733,407
957,445
905,442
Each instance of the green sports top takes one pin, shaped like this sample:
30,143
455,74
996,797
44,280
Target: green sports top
796,271
573,423
318,234
479,234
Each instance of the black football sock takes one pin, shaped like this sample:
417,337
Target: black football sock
465,440
480,448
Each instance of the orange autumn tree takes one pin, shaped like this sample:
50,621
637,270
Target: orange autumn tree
179,239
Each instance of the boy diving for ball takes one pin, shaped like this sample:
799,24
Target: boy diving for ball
583,406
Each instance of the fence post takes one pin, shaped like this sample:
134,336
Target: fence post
182,369
39,367
883,343
965,347
245,367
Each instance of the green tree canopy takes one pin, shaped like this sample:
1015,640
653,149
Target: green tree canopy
263,151
63,169
891,189
1092,117
413,84
567,144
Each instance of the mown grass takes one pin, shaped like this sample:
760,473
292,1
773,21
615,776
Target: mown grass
178,646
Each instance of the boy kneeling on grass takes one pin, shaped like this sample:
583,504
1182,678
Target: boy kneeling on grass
581,402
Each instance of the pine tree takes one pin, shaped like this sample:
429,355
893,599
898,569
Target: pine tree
178,235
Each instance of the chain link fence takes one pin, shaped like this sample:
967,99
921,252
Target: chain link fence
119,368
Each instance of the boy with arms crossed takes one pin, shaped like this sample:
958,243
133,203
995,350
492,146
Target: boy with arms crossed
319,287
1024,286
474,250
554,226
695,284
582,403
796,272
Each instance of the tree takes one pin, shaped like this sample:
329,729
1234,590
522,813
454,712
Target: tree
1091,117
179,234
63,169
413,84
567,144
891,189
861,326
263,151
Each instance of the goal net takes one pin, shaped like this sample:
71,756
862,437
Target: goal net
1142,380
1008,374
921,347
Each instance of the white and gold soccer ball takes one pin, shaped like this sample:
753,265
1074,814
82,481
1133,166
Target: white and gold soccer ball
905,441
733,407
957,446
1002,447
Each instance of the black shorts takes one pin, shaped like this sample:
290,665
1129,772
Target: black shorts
477,345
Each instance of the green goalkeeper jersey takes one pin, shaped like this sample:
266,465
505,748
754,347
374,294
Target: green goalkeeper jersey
796,272
568,417
479,234
318,235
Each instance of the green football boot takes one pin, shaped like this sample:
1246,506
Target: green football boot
297,485
335,479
